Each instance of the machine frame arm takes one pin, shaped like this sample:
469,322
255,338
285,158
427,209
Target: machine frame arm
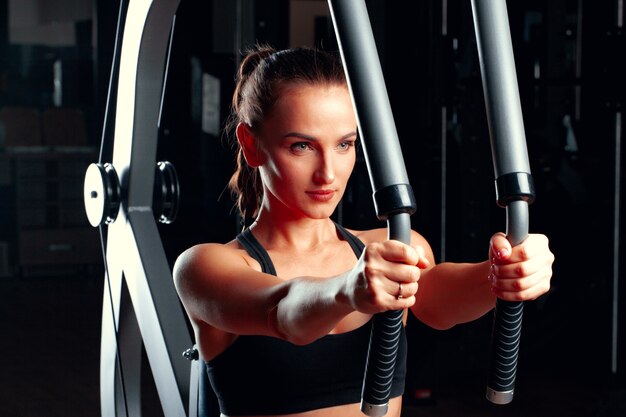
393,196
514,183
140,303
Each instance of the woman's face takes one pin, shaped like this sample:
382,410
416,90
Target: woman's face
307,150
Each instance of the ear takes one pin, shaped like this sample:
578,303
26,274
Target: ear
248,142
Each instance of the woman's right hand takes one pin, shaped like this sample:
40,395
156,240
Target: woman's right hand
386,277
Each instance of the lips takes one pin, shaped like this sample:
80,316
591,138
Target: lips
321,195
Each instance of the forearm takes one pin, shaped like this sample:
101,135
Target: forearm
311,308
453,293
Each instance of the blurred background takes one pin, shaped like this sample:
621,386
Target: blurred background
55,68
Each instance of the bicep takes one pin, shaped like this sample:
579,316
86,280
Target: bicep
218,287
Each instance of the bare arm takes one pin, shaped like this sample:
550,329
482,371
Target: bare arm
454,293
219,288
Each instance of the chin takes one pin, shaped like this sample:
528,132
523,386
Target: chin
321,213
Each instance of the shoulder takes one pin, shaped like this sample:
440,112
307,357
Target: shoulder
208,259
381,234
370,235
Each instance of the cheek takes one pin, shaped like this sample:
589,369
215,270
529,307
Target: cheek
281,172
348,167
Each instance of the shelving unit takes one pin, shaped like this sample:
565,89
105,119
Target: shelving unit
50,228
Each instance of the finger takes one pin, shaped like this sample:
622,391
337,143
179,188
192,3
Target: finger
403,289
534,245
405,295
403,303
515,284
532,292
395,251
499,248
399,291
400,274
539,281
423,261
522,269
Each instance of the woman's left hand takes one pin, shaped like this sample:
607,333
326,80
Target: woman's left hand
522,272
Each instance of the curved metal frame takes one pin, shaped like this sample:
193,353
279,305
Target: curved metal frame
152,316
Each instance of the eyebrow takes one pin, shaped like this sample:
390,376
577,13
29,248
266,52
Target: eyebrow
313,138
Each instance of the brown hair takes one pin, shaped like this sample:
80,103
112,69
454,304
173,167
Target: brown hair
261,74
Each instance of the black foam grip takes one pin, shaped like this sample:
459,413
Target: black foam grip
384,339
507,330
381,357
507,321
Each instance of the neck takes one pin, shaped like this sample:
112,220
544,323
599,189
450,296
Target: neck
303,233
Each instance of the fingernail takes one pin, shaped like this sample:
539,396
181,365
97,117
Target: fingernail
502,253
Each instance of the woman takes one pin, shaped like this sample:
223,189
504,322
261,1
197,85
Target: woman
282,313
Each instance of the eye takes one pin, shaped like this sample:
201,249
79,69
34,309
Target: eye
345,145
300,147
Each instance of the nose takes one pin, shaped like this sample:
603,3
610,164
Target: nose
325,172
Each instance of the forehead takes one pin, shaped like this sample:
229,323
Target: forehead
313,102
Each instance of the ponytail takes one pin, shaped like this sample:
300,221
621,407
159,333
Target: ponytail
246,187
245,183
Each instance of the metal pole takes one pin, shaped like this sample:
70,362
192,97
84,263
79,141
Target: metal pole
393,196
514,185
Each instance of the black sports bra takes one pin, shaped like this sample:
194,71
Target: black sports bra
260,375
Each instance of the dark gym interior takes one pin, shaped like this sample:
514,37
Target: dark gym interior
55,68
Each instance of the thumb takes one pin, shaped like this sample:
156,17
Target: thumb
499,247
423,261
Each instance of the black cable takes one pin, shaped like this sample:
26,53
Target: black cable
105,152
117,344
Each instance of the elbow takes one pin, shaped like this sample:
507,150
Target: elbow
291,336
280,330
278,322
